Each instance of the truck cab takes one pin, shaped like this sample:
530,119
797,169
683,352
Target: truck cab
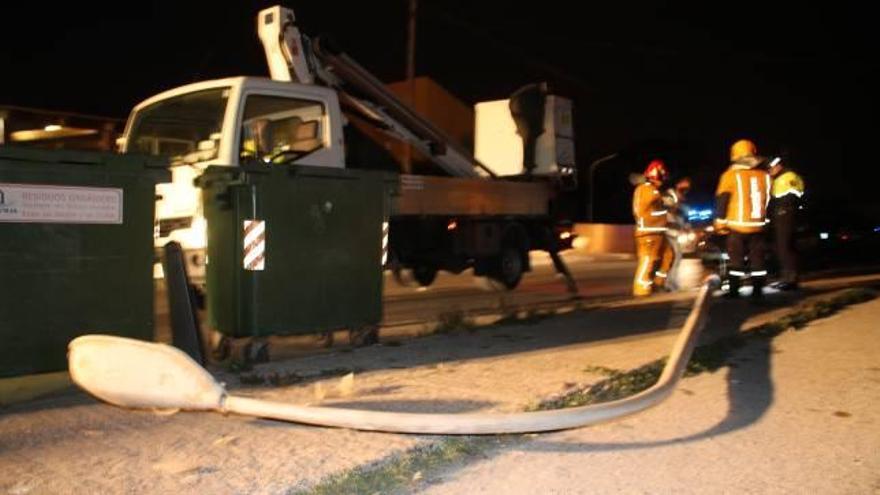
234,121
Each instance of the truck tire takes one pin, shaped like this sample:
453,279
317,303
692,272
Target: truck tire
424,274
419,276
509,266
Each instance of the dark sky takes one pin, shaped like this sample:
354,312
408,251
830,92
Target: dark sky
676,80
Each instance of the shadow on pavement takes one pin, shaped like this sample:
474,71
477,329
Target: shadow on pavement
750,389
510,337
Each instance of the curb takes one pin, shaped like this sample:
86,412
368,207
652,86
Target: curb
22,388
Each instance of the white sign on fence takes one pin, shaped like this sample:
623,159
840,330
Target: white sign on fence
37,203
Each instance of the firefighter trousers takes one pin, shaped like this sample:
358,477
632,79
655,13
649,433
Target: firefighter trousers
649,248
668,271
746,250
783,229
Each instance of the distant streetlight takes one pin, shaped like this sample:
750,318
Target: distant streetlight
590,175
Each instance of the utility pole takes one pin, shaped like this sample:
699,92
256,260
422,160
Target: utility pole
410,74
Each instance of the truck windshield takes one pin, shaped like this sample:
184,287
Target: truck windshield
186,128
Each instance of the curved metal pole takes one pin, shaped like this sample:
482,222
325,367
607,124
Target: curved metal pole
186,385
482,424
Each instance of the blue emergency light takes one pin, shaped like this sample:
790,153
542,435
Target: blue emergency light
699,214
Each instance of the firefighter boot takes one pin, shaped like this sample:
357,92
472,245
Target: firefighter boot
733,290
757,288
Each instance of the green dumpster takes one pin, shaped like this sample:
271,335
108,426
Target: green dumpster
76,252
293,249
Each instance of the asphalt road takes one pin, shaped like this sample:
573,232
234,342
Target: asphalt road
599,278
608,277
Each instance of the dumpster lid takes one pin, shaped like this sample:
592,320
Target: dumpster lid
81,157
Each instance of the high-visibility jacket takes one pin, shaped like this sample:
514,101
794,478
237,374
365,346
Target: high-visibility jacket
648,210
742,198
787,183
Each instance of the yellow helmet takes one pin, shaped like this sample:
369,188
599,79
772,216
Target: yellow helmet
742,149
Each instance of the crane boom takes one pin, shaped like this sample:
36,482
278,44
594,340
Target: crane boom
292,56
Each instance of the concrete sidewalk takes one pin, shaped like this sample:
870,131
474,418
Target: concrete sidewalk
797,414
73,444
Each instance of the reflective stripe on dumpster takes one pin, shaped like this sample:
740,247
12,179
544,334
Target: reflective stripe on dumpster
254,255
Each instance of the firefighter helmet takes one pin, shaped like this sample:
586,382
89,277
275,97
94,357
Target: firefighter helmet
742,149
656,171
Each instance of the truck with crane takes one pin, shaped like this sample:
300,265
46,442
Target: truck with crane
311,112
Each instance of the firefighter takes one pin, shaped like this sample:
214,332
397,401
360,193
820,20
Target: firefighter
787,191
677,224
741,211
650,229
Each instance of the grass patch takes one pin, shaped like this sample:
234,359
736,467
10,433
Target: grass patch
272,378
284,378
818,309
237,365
618,385
412,468
601,370
712,357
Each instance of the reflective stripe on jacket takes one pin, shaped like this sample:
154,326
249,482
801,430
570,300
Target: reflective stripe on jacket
648,210
749,193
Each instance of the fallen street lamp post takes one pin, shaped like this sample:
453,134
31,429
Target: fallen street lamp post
142,375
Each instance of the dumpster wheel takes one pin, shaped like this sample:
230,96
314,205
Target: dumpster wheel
222,349
364,335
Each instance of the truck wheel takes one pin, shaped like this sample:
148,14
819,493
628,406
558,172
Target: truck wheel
424,274
509,267
403,277
420,276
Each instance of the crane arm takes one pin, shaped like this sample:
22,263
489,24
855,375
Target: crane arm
294,57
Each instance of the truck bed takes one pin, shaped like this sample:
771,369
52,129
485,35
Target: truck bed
429,195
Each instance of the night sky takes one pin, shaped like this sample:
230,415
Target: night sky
677,81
